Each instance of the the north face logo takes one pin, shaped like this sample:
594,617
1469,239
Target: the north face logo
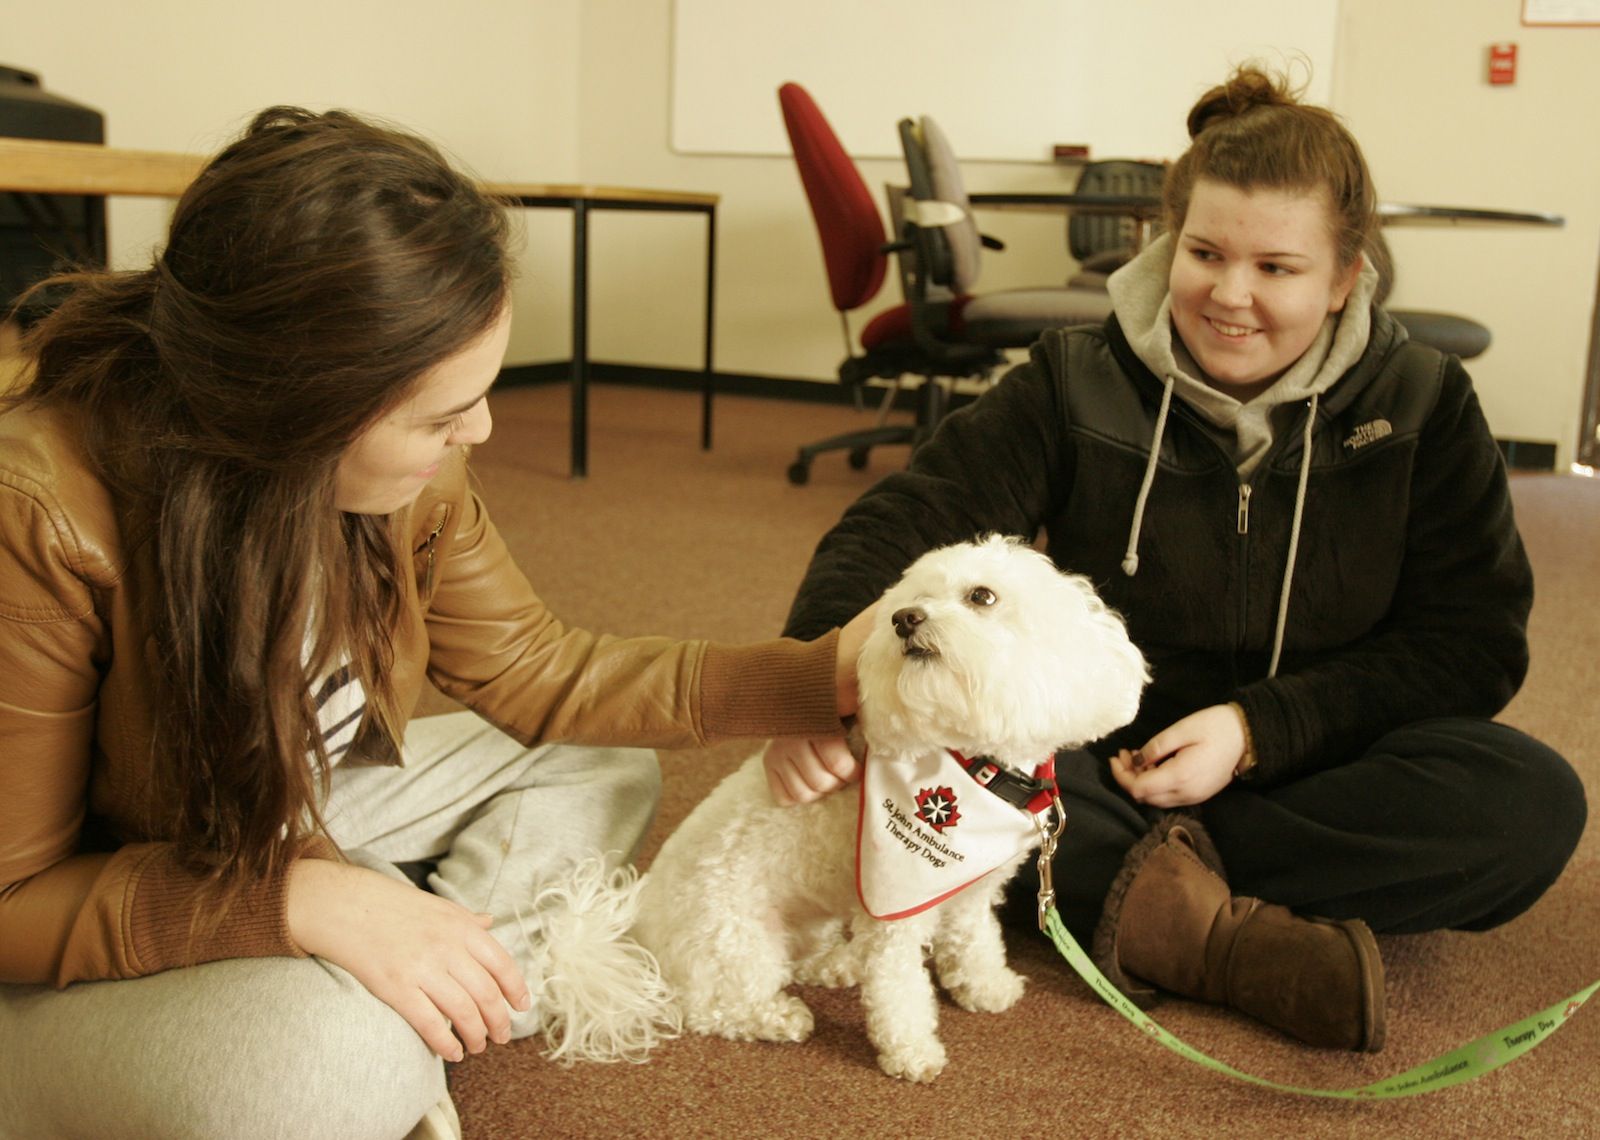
1368,433
936,807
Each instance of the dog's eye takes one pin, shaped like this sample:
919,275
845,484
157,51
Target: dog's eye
982,596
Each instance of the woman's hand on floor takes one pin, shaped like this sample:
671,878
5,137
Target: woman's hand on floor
431,960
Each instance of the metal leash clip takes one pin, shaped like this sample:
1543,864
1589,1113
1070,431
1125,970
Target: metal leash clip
1047,851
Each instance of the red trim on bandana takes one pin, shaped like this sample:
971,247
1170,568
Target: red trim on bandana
1041,801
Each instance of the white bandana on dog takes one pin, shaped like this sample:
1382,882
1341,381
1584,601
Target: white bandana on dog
928,829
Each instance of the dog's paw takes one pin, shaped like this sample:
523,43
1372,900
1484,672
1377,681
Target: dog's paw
920,1062
995,992
783,1017
787,1018
838,967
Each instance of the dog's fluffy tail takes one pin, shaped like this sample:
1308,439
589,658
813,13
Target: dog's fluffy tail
601,994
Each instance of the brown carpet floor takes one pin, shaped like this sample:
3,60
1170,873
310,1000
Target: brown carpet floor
665,538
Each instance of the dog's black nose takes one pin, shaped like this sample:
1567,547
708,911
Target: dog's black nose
907,620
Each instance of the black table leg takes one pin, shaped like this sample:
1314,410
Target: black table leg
580,339
711,308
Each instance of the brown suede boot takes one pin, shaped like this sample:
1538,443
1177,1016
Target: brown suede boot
1170,921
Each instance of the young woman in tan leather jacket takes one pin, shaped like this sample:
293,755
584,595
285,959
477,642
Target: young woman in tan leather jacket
236,534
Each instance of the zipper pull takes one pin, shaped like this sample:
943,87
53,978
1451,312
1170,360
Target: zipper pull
1244,508
427,581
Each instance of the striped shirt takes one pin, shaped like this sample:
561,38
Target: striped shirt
340,701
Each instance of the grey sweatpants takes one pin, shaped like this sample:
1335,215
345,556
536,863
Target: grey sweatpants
283,1047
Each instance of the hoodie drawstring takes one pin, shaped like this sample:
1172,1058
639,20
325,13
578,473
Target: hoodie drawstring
1130,560
1294,539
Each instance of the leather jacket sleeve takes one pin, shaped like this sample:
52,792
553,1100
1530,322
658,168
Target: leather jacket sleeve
493,645
67,913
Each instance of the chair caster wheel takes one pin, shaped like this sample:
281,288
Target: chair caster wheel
799,472
858,458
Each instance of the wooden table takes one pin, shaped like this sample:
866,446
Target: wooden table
40,167
1398,214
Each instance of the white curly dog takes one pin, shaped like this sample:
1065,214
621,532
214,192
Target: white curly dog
983,652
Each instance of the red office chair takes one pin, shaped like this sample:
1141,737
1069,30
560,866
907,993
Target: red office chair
855,249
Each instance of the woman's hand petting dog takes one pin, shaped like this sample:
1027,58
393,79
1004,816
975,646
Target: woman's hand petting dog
800,771
1185,764
431,960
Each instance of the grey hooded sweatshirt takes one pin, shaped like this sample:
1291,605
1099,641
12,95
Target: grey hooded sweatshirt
1144,308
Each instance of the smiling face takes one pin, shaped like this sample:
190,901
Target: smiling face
387,466
1254,275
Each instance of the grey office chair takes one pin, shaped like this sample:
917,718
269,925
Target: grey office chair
1104,243
944,258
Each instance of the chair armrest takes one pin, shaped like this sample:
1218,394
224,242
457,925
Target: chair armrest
931,212
1107,260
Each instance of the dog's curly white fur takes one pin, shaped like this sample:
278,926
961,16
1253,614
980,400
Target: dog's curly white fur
597,994
983,647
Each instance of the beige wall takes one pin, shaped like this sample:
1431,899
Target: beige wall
1412,84
554,90
493,81
773,314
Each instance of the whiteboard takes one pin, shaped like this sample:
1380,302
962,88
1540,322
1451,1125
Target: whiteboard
1007,79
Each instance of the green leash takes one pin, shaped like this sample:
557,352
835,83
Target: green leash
1456,1067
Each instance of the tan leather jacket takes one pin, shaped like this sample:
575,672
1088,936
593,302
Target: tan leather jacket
76,703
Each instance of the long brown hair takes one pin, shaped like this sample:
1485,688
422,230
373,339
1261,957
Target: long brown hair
1252,131
315,270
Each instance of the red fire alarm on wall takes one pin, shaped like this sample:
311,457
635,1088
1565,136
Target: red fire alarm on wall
1502,64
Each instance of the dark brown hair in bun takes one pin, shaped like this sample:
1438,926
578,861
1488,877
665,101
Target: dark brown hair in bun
1252,132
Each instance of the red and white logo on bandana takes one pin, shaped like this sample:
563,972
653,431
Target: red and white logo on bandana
928,828
936,807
